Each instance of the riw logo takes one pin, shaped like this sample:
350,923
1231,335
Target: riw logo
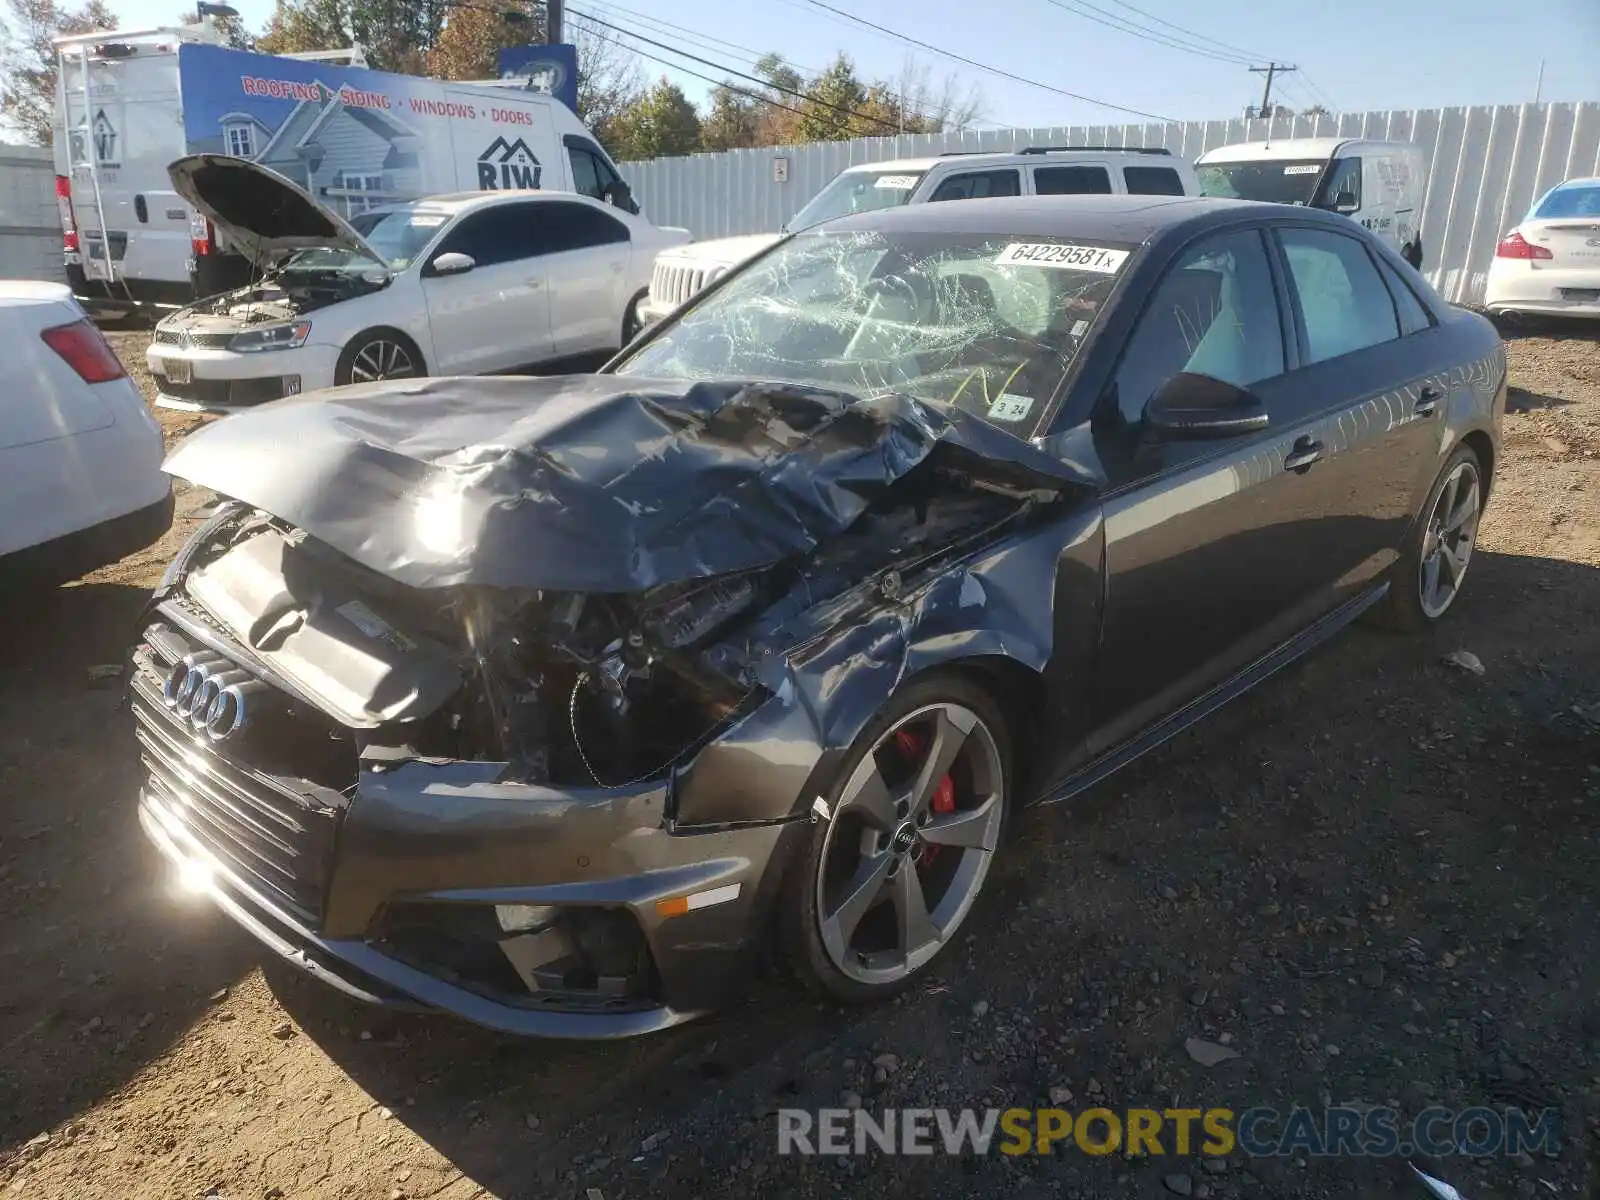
508,165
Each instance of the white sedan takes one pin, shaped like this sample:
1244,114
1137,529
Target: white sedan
450,285
1550,263
80,455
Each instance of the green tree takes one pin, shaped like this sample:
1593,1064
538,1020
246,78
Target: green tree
28,59
396,34
733,122
835,97
660,124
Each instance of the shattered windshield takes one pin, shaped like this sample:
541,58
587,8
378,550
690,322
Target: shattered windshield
397,235
1276,181
854,192
989,324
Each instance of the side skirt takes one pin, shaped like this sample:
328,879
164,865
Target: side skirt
1229,689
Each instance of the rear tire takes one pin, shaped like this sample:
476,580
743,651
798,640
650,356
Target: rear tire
890,877
1426,581
379,354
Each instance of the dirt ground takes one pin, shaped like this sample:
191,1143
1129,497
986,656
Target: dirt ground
1377,876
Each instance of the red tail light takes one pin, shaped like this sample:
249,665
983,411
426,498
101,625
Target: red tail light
85,350
69,222
1516,246
201,236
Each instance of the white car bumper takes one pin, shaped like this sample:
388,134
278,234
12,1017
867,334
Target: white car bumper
652,310
1518,286
198,379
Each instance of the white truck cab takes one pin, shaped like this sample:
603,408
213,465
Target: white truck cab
683,271
1378,184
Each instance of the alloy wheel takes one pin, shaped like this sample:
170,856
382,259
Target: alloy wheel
910,843
381,359
1447,545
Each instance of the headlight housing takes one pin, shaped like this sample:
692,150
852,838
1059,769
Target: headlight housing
271,337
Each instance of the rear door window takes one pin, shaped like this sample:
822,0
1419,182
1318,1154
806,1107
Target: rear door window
1072,181
1414,317
978,185
557,226
1342,298
1152,181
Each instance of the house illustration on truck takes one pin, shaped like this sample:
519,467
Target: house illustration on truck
352,157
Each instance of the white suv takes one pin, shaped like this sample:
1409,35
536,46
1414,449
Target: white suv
682,271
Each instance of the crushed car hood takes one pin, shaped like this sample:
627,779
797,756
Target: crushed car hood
262,213
592,483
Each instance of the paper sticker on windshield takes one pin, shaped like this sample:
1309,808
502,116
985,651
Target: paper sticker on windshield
895,183
427,222
1069,258
1079,328
1009,406
1303,169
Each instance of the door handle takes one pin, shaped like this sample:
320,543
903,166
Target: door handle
1306,451
1427,400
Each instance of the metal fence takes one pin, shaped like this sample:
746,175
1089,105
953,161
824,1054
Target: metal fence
30,229
1486,166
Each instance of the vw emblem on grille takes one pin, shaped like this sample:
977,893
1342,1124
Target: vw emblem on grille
210,692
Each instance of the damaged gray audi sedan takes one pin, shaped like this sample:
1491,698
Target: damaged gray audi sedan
548,702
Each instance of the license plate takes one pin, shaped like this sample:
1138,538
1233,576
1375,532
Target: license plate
179,370
1586,295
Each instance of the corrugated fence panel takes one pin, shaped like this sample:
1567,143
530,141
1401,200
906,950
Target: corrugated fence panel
1485,167
30,230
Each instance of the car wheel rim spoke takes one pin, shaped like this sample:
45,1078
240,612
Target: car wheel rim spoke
380,360
909,843
919,937
1447,547
839,926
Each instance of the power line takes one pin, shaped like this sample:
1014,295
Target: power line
1200,37
807,97
1122,25
1138,112
695,36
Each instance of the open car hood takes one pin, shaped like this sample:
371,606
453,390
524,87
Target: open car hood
593,483
263,214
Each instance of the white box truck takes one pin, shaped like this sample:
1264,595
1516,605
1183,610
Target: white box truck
130,102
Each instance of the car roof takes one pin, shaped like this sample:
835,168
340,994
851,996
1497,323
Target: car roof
461,201
1039,158
1280,148
1135,219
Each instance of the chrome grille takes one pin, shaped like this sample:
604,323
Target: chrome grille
275,831
205,341
673,284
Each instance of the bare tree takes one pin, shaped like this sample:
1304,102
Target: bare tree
610,81
28,59
944,105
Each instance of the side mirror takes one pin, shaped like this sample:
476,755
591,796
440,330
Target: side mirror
1191,407
451,262
620,195
1346,202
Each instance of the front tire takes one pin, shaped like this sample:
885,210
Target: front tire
1413,254
631,322
379,354
1427,579
916,813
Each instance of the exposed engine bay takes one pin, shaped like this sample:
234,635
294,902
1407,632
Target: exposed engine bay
292,289
568,688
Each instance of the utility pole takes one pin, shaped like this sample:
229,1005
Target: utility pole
552,21
1270,71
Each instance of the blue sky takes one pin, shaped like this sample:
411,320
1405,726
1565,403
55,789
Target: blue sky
1374,54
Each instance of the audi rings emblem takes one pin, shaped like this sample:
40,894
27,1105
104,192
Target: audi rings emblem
210,693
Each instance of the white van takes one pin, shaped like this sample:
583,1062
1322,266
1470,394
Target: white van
682,271
131,102
1379,184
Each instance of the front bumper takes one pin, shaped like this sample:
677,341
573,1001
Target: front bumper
222,381
450,836
652,310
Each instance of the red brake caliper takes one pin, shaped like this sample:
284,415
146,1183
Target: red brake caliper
944,795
